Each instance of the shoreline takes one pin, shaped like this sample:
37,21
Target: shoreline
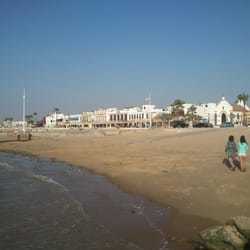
181,228
179,169
79,196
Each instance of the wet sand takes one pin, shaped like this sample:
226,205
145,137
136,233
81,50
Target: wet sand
180,168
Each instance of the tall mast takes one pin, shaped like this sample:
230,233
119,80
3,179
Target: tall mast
24,100
148,102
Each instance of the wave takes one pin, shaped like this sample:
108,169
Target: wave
49,180
7,166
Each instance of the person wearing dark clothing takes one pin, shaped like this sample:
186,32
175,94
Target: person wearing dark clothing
232,152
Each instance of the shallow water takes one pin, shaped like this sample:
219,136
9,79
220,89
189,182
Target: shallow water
53,205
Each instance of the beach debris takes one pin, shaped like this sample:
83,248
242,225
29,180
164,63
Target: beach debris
234,235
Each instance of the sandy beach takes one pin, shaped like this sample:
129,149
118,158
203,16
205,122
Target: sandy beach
181,168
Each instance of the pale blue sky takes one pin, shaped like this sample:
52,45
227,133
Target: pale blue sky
81,55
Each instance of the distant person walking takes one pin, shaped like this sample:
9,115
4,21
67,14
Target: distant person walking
242,151
231,151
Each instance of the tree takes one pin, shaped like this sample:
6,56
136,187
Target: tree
56,110
164,118
29,119
191,113
243,98
8,119
177,107
178,103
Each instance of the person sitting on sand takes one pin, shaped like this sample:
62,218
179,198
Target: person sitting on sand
231,151
243,149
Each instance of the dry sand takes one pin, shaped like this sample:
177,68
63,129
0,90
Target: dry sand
181,168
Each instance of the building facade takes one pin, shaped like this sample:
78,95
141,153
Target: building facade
88,119
148,115
54,120
59,120
247,118
136,117
73,121
220,113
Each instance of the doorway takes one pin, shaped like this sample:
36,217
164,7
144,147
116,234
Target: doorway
223,118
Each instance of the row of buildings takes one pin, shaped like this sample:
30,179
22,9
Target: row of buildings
142,117
148,115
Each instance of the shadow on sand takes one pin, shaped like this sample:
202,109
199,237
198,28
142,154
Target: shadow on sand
9,140
228,164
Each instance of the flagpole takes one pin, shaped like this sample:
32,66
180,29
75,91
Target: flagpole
24,100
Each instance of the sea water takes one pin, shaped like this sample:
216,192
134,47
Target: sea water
52,205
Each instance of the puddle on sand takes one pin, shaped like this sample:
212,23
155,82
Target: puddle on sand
52,205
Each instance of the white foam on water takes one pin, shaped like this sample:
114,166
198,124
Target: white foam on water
49,180
141,211
7,166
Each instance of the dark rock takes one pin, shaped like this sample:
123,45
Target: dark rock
243,225
222,237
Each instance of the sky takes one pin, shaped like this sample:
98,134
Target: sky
81,55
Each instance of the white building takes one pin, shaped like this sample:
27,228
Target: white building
73,121
223,112
186,107
60,120
207,112
13,124
100,118
19,124
220,113
88,119
140,117
54,120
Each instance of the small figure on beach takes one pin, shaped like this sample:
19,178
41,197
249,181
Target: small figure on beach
231,151
242,152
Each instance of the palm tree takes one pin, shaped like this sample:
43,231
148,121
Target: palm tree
31,119
178,103
56,110
177,106
191,113
243,98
